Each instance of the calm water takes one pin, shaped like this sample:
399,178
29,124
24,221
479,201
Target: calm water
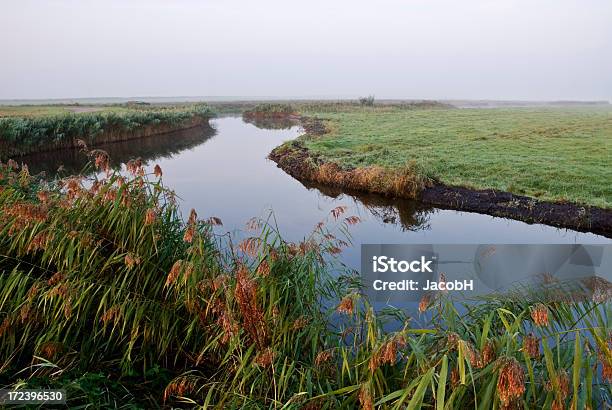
223,171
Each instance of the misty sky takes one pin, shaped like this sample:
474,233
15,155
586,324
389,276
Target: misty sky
470,49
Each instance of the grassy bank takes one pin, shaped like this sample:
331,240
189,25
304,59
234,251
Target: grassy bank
269,111
23,134
107,291
552,154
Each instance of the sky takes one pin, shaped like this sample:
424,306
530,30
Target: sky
416,49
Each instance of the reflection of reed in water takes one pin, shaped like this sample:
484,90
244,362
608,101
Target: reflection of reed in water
271,123
408,214
150,148
570,273
593,289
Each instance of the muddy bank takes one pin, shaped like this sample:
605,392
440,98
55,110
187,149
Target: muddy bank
300,163
530,210
95,137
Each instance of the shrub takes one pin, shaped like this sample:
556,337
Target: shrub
367,101
270,109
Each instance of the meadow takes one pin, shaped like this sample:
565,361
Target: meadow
554,154
31,110
106,290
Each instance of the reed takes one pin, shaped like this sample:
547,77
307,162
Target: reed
23,135
107,291
268,111
272,108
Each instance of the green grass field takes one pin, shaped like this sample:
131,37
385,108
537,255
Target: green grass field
556,154
48,110
31,110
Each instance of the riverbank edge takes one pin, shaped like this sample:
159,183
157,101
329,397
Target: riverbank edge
299,162
105,136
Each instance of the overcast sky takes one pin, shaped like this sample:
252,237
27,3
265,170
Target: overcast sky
469,49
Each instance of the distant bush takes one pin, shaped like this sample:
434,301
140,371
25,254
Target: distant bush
137,103
367,101
268,112
273,108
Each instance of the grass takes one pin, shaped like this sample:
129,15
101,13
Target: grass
49,110
273,108
554,154
269,109
107,291
31,110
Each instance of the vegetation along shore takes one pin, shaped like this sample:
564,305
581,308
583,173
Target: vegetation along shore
107,292
25,130
541,165
269,111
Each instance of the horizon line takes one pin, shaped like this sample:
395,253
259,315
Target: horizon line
314,97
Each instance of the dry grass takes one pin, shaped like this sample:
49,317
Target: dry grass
404,182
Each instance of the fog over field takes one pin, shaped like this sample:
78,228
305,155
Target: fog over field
433,49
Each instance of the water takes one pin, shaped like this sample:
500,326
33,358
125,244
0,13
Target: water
224,172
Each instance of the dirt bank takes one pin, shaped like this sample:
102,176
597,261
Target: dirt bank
300,163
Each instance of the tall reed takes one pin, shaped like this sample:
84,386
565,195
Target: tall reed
107,291
22,135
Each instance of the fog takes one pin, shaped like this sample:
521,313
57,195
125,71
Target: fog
434,49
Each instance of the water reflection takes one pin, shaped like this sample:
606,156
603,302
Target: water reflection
406,214
272,123
73,161
230,177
